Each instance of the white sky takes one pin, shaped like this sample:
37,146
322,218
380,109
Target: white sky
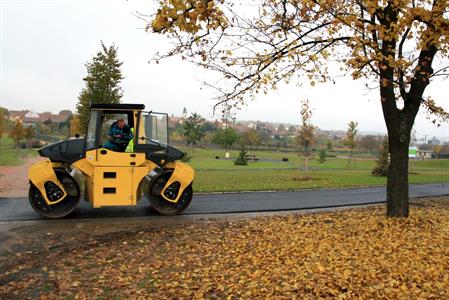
45,43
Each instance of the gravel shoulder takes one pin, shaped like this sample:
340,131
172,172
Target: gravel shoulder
14,179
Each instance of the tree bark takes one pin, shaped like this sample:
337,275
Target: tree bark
397,182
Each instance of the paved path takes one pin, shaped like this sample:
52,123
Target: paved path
17,209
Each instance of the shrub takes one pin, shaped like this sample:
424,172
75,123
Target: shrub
322,156
383,160
241,159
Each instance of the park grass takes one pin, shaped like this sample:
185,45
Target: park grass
270,173
11,156
263,180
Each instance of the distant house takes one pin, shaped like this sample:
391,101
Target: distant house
31,118
424,154
61,117
174,121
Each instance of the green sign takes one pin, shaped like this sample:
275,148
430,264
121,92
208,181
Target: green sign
412,152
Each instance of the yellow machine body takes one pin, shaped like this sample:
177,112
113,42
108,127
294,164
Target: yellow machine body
42,172
115,178
183,174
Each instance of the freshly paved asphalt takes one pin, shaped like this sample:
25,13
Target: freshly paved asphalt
18,209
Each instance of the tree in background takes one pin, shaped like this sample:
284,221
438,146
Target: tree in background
306,133
329,146
292,129
351,139
193,131
251,138
29,134
369,143
102,83
75,126
403,45
2,123
382,162
225,137
281,128
17,132
209,127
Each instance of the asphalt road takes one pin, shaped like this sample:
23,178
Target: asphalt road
18,209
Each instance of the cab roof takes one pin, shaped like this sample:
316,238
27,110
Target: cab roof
124,106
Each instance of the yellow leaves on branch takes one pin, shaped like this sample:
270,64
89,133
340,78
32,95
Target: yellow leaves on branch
188,15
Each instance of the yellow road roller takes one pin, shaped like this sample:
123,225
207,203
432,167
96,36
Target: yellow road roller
124,155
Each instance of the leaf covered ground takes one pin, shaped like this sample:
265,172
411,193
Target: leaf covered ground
346,254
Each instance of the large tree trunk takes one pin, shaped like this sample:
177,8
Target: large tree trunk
397,182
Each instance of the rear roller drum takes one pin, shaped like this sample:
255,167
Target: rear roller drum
60,209
163,206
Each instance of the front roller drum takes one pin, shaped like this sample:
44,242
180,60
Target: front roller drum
163,206
60,209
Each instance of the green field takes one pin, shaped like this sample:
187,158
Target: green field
270,173
10,156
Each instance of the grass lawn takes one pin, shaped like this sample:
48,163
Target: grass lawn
348,254
11,156
258,180
270,173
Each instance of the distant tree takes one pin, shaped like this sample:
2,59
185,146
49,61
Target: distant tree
251,138
29,134
225,137
2,123
443,149
75,126
17,132
351,139
4,111
43,129
209,127
176,137
369,143
193,130
102,83
382,162
47,122
292,129
306,133
281,128
329,146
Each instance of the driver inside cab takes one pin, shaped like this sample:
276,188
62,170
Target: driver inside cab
119,136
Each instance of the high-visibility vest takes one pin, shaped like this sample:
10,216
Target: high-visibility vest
130,147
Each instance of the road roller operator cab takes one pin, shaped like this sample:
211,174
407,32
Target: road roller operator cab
124,155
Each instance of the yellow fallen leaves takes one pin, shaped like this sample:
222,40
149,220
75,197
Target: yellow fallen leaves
345,255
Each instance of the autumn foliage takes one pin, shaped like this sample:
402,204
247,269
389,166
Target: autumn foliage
355,254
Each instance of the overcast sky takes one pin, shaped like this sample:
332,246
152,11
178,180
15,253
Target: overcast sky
45,44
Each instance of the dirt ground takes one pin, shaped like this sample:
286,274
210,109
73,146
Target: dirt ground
14,179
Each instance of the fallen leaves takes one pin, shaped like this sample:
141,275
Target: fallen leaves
345,254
